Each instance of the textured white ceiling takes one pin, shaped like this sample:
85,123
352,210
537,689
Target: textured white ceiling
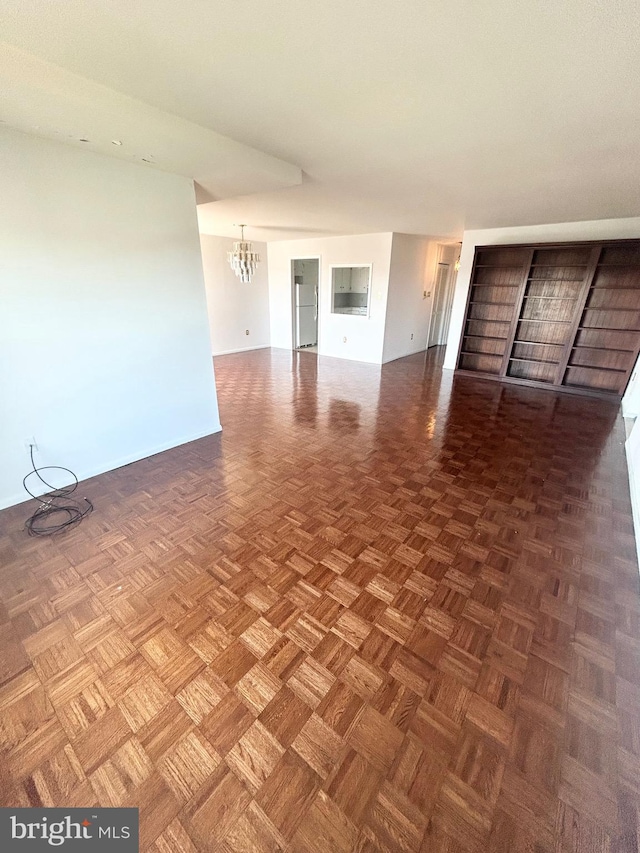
413,116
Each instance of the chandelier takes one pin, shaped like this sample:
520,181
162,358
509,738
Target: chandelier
243,260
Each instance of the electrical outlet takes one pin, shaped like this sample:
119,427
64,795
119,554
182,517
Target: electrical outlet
246,331
411,335
424,294
344,340
28,442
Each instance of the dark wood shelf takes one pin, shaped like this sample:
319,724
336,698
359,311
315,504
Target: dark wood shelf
601,329
486,337
501,304
531,320
485,320
604,349
533,360
557,298
537,344
594,367
561,279
604,308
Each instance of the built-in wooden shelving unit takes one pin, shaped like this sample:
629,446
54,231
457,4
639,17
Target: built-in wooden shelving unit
565,316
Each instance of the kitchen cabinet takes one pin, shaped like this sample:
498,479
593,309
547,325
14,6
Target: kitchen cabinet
350,290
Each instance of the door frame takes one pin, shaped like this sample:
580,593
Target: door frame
449,289
292,287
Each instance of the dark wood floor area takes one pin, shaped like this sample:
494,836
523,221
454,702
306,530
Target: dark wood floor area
382,611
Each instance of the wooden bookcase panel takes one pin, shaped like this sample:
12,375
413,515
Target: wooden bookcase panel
496,276
586,377
487,311
617,277
567,316
495,288
553,289
562,258
551,310
613,319
540,332
532,370
537,352
481,362
614,339
628,298
494,293
501,256
490,346
629,254
486,329
609,359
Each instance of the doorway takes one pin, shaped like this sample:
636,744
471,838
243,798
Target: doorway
442,304
305,284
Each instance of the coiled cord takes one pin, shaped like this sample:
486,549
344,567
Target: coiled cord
53,504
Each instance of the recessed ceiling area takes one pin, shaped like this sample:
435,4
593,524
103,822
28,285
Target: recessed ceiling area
417,117
42,99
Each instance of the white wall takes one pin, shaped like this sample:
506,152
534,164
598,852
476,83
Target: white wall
233,306
631,409
412,272
631,399
104,346
601,229
365,335
633,464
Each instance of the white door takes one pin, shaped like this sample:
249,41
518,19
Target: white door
442,302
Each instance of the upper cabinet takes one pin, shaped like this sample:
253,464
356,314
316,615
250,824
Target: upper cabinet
350,290
563,316
359,279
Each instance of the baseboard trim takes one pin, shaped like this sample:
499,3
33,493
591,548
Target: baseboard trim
21,497
242,349
405,355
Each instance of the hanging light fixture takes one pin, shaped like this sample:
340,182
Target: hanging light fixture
456,266
243,260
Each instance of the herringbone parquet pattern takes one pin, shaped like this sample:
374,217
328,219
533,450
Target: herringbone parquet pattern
383,611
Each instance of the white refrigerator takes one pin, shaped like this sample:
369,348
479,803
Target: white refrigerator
307,314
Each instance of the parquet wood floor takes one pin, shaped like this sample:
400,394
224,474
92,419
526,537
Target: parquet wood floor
383,611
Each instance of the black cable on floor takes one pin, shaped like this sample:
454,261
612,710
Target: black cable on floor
55,513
